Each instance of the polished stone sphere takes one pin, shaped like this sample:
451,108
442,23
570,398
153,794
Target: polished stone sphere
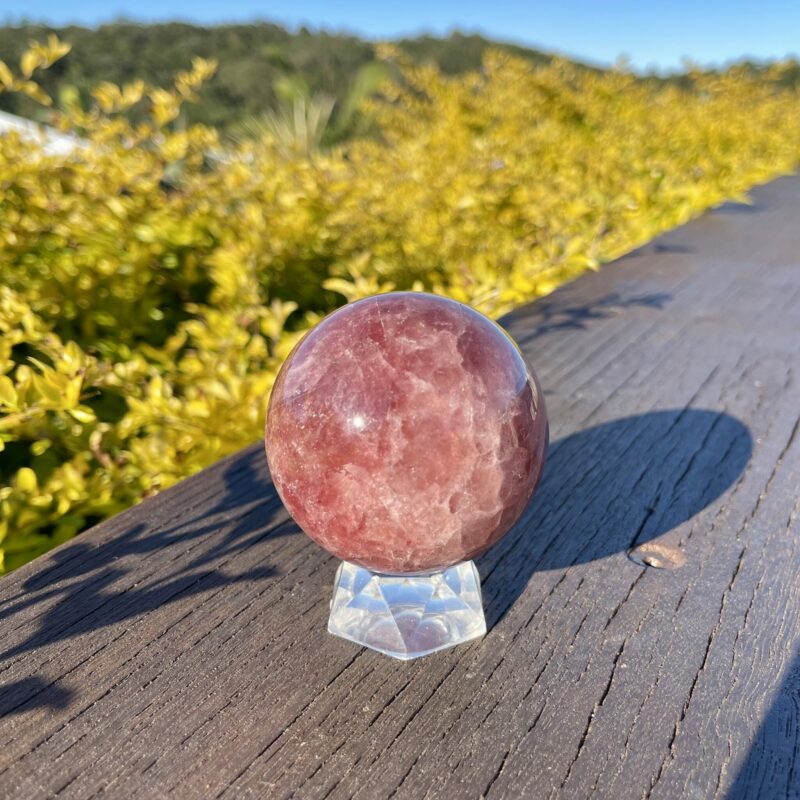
406,433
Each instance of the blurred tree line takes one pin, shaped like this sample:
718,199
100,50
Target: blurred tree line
261,66
267,75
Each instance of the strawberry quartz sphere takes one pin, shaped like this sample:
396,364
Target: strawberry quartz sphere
406,433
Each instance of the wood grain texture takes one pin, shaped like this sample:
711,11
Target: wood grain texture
179,649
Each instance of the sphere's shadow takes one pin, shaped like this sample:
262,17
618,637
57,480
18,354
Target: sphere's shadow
612,487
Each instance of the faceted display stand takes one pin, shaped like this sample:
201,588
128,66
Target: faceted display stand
407,616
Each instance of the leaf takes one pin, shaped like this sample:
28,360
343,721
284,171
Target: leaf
340,286
108,96
8,393
35,92
132,93
56,48
51,388
39,447
26,480
31,59
82,414
6,78
165,106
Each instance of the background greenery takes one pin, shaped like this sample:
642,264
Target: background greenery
153,280
254,61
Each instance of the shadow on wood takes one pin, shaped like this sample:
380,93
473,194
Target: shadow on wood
16,697
554,314
612,487
91,586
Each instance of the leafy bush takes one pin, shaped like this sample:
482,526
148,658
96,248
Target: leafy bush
257,62
152,281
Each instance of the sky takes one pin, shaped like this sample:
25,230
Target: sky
651,34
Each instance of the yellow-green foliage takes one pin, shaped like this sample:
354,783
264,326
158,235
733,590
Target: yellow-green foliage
152,281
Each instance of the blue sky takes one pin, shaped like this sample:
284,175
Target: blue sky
649,33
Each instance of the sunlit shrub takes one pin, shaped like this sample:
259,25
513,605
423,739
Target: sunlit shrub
152,281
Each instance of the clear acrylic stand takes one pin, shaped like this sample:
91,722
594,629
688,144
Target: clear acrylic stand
407,616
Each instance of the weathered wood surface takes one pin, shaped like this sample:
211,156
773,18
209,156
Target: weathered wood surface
180,648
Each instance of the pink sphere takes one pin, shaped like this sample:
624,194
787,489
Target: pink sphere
406,433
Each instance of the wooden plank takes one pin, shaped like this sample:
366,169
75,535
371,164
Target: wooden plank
180,648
